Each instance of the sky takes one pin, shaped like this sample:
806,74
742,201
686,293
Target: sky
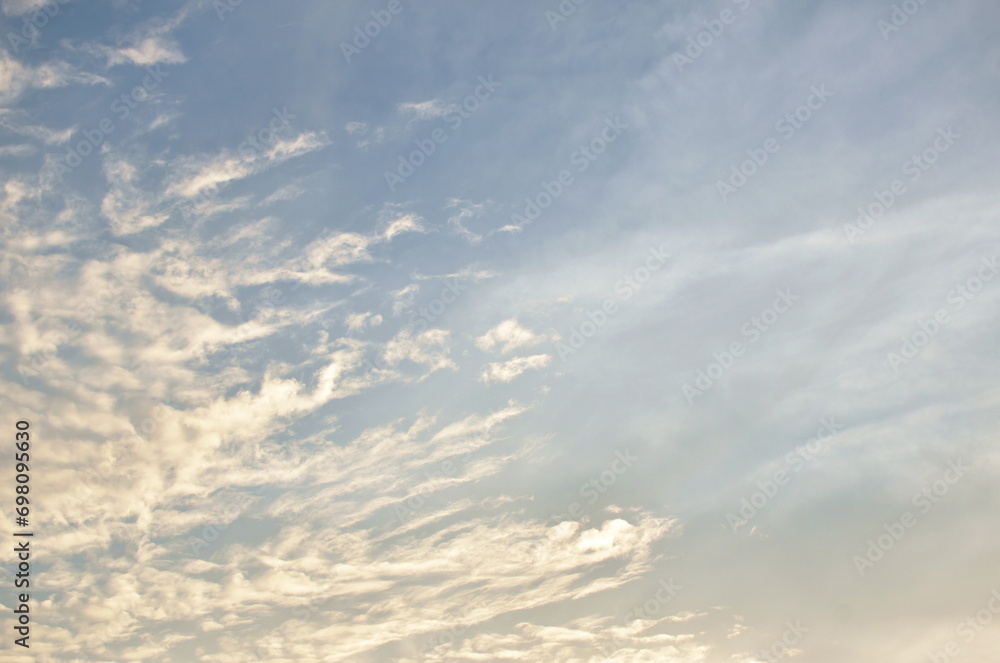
579,331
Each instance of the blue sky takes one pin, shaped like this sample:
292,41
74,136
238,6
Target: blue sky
507,332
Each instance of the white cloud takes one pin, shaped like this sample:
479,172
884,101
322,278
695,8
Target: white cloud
194,176
367,137
356,128
429,348
22,150
466,210
510,335
358,321
425,110
145,51
16,78
402,299
407,223
126,206
287,192
505,371
148,43
20,123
